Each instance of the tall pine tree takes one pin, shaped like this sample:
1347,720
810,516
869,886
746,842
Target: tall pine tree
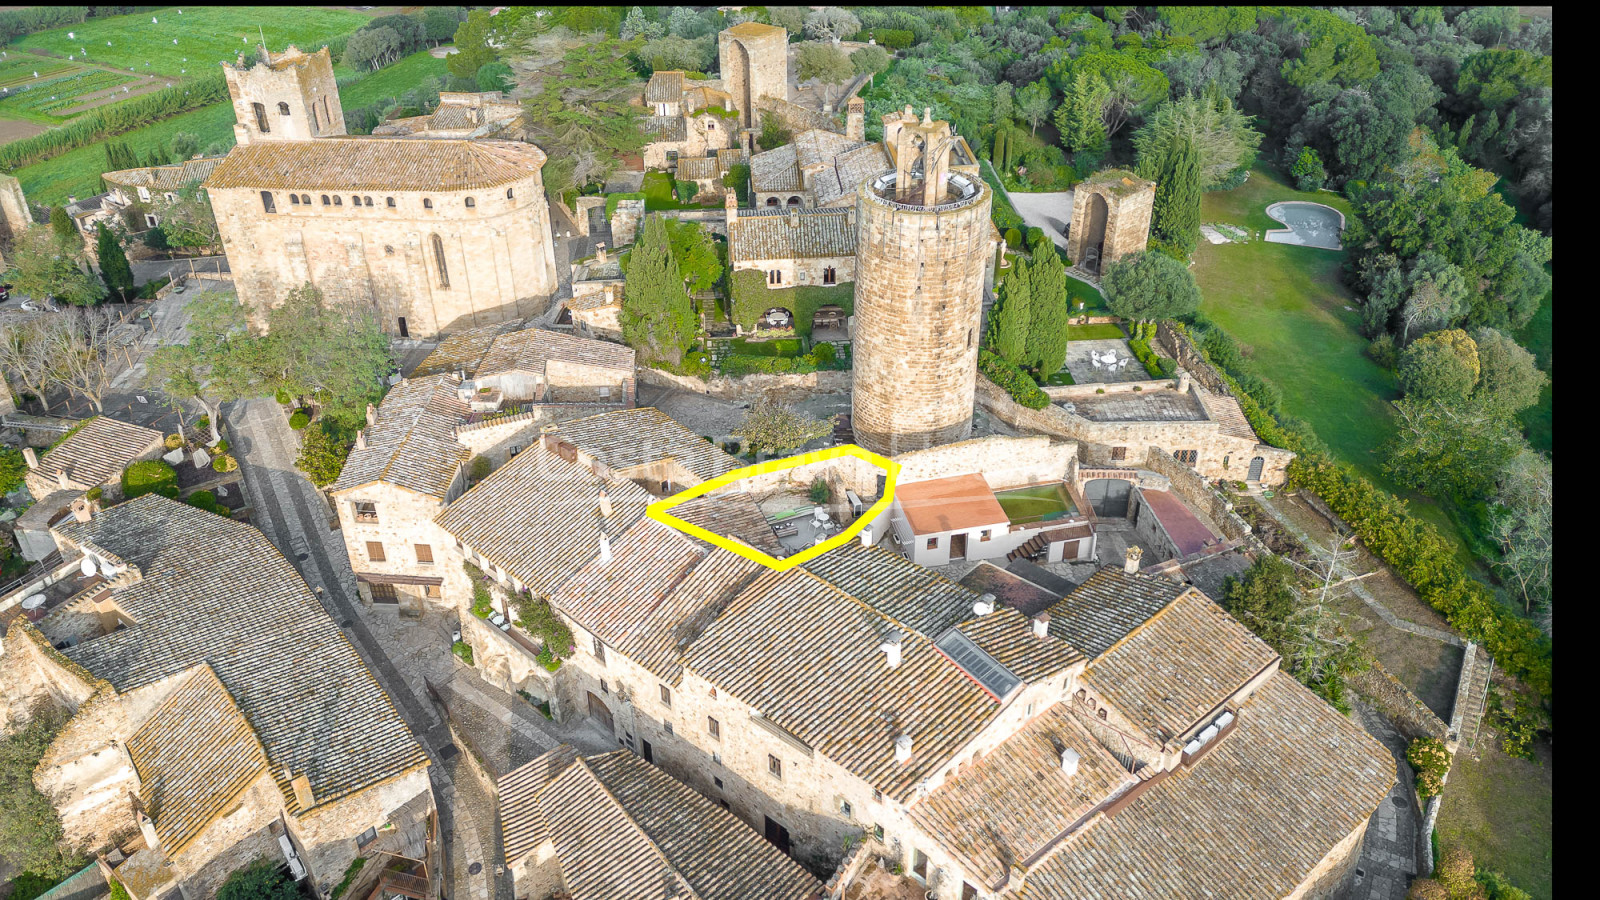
657,318
1175,216
1047,330
114,267
1013,315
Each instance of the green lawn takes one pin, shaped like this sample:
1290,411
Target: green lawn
1503,810
78,173
205,35
1299,323
1105,332
1539,337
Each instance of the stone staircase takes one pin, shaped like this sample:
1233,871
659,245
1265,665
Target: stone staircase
1472,698
1030,550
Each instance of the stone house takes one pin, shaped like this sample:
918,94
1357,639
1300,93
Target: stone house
141,187
459,114
614,827
217,713
93,456
435,234
793,247
689,119
959,517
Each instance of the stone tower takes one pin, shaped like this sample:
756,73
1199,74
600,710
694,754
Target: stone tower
922,246
755,63
290,96
1110,218
855,119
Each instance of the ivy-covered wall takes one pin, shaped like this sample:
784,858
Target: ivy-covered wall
752,298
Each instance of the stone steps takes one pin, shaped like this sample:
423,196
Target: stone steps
1475,700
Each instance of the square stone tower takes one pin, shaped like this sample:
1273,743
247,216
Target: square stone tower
290,96
1110,218
755,63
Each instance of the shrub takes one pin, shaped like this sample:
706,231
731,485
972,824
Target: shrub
351,872
482,600
1012,380
202,424
225,463
687,190
1035,237
207,501
1519,718
261,880
299,419
151,288
538,619
283,398
95,493
1013,238
149,476
1158,366
1432,761
463,651
156,239
173,441
221,447
820,492
322,455
738,180
1383,351
824,354
480,468
550,661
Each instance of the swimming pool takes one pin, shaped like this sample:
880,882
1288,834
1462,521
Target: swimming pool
1040,503
1310,225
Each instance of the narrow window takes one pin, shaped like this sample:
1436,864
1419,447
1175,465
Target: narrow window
599,651
375,551
717,781
354,200
261,118
294,199
1119,452
403,331
714,728
425,554
283,109
844,809
933,543
366,511
366,201
471,202
427,203
389,202
877,832
325,200
604,688
150,220
438,260
338,200
509,193
305,199
666,696
830,276
774,767
877,797
316,120
267,202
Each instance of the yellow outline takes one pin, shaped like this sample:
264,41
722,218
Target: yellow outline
659,509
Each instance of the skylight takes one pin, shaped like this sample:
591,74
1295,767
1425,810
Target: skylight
983,668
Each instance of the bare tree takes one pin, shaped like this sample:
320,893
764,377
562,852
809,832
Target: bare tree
1319,646
28,356
85,348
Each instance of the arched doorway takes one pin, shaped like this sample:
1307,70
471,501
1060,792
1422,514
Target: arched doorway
1094,235
1256,465
1108,497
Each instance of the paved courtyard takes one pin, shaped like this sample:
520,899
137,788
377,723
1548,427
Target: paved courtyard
1051,212
1080,362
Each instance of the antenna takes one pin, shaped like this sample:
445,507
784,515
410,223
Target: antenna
266,56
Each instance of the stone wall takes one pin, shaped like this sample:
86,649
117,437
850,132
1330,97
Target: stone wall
754,62
1329,877
1411,717
1194,490
1003,461
499,261
807,271
405,520
327,833
918,308
1175,344
303,82
787,388
625,221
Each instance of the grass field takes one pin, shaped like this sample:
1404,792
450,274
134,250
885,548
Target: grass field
78,173
205,35
50,98
1104,332
1299,323
1503,810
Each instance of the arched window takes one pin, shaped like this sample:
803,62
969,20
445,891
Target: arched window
471,203
772,201
366,201
426,203
267,202
261,118
305,199
389,202
294,199
324,199
509,193
337,200
283,109
774,276
829,276
794,201
354,200
438,260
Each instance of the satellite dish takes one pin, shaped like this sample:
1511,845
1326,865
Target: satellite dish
88,566
34,602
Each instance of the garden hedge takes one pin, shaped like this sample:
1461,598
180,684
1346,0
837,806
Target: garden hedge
1016,382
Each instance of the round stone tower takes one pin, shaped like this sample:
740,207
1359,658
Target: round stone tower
922,244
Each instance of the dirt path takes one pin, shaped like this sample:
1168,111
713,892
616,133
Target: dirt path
16,130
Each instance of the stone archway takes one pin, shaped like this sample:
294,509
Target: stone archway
1094,236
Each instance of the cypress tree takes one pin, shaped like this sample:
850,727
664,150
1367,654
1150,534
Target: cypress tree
62,225
114,267
1014,315
1047,330
1176,211
657,318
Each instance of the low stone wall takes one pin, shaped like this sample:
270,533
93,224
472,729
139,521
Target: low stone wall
1186,483
1411,717
754,387
1171,342
1060,392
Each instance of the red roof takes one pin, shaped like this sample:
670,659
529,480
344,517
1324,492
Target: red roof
1188,532
957,503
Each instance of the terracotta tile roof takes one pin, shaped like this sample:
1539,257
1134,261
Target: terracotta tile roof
703,95
413,444
773,234
818,147
1227,413
377,164
691,168
914,597
1188,533
1102,610
956,503
1016,801
664,87
1010,588
523,825
96,453
530,349
804,652
1178,667
538,516
165,178
849,170
194,755
1007,635
734,515
627,438
655,596
216,591
775,170
623,829
735,156
668,129
462,350
1249,821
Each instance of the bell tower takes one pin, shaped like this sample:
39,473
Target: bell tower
289,96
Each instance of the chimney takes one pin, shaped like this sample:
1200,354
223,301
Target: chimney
927,115
1041,625
31,457
1069,762
902,749
71,199
1130,562
61,479
83,509
794,217
1183,382
984,605
1017,878
605,503
302,792
891,645
372,414
730,208
855,119
600,252
361,437
147,827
